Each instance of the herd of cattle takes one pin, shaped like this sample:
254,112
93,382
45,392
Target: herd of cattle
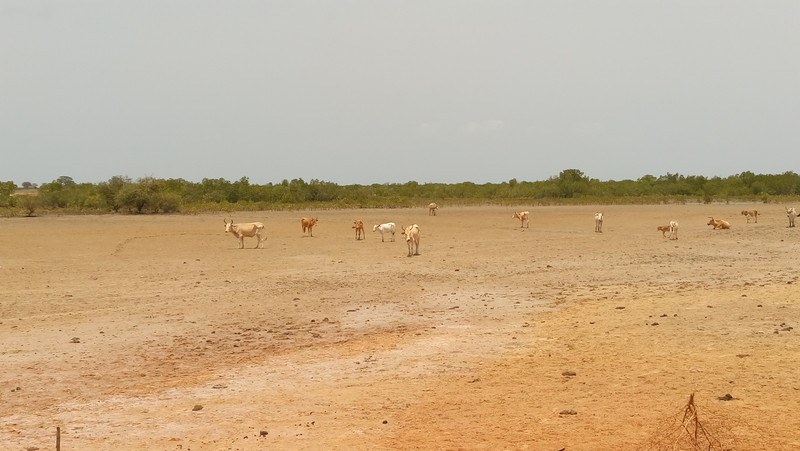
411,233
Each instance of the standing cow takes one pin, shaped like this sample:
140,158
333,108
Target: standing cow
387,227
359,226
308,225
432,207
598,222
246,229
791,213
524,217
750,214
412,239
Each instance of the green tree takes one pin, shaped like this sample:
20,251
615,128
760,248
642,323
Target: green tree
29,203
65,181
110,189
572,182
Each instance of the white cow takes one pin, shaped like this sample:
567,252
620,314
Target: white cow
598,222
673,230
791,213
388,227
432,207
412,239
246,229
523,216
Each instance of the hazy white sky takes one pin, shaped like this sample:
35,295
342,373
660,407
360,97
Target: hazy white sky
397,90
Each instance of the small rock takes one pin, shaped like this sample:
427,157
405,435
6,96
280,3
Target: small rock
569,373
263,433
385,421
75,340
197,407
725,397
568,412
621,307
654,324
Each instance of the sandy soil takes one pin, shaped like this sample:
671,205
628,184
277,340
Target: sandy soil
115,328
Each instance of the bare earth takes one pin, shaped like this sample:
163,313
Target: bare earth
115,328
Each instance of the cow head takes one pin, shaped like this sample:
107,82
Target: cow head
228,225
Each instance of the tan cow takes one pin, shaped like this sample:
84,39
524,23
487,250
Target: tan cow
663,229
359,226
718,223
412,239
247,229
308,224
750,214
791,213
432,207
523,216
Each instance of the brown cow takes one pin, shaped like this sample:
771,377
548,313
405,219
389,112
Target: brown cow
308,224
359,226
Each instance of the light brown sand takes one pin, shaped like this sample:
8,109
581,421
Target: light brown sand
326,342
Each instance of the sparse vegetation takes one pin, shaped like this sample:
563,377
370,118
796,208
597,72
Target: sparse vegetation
149,195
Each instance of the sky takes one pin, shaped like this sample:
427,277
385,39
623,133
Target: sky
391,91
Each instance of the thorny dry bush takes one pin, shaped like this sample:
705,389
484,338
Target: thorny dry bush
696,428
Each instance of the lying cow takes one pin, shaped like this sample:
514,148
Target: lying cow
412,239
718,223
246,229
308,224
359,226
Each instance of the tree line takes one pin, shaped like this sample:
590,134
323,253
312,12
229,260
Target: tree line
148,195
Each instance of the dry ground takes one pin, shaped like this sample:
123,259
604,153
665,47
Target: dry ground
115,327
